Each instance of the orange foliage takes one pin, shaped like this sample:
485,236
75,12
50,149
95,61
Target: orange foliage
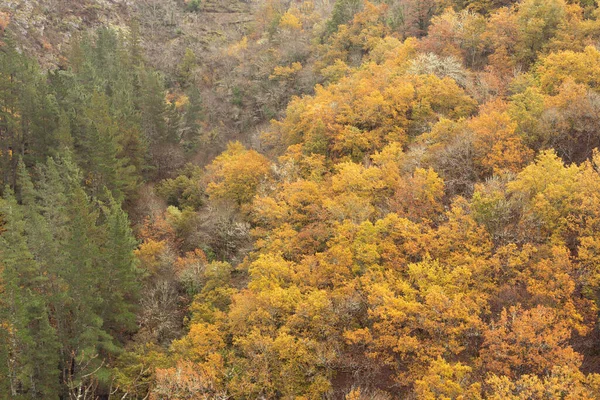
498,148
189,380
527,342
158,228
193,260
4,20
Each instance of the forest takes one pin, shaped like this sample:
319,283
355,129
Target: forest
300,199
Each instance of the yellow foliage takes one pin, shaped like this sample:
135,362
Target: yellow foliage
562,382
364,258
368,109
237,48
236,174
200,343
447,381
419,196
285,72
149,254
499,149
581,67
548,186
336,71
290,21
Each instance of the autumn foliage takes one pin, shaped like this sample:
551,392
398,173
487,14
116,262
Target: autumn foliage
421,228
422,223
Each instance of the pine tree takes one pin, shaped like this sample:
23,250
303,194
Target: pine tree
153,107
39,117
62,134
119,285
173,118
135,48
31,344
91,263
343,12
191,128
100,148
12,65
186,68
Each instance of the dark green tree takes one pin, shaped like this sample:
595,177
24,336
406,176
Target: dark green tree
191,125
31,345
343,12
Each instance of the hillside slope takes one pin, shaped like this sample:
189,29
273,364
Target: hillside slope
411,211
